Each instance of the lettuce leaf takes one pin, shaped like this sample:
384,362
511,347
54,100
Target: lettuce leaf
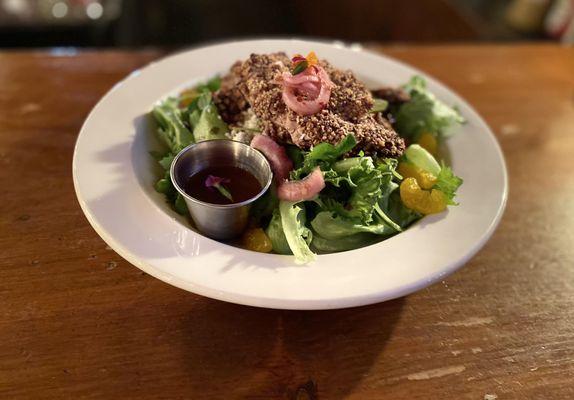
329,225
448,183
343,244
424,112
276,234
210,125
211,85
170,127
264,207
365,183
179,126
323,155
298,236
399,213
295,154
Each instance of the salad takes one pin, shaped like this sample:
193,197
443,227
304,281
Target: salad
351,166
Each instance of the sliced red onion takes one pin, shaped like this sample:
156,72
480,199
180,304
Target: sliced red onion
312,90
294,80
281,164
324,76
305,189
314,84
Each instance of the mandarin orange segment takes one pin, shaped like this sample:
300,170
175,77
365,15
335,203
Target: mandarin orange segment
423,201
428,141
255,239
425,179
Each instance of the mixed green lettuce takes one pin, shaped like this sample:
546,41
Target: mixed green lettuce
447,182
425,113
361,202
190,118
354,210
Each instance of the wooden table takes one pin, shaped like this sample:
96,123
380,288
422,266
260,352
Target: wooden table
78,322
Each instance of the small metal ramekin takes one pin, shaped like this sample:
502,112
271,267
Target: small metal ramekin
219,221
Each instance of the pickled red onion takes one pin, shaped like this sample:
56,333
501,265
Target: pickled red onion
313,84
305,189
280,163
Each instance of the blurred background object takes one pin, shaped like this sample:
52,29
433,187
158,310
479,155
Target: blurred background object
173,23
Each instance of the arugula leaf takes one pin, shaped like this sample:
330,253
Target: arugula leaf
297,234
381,208
175,200
424,112
388,166
448,183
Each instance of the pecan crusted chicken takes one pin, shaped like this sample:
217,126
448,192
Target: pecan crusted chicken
256,83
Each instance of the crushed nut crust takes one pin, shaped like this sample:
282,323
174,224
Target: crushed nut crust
256,83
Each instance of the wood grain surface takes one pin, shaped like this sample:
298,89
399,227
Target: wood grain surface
78,322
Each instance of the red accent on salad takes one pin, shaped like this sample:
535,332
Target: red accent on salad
305,189
281,164
308,88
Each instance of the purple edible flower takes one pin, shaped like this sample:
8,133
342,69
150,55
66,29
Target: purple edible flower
213,181
217,182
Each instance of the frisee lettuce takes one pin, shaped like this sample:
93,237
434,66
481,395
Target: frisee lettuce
323,155
447,182
425,113
179,125
360,204
170,126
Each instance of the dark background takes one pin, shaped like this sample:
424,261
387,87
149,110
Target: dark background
173,23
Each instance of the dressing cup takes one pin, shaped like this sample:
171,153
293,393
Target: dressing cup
219,221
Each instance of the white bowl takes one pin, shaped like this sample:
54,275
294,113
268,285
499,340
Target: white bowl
114,177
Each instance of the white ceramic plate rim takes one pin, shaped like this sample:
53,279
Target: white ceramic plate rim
127,214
